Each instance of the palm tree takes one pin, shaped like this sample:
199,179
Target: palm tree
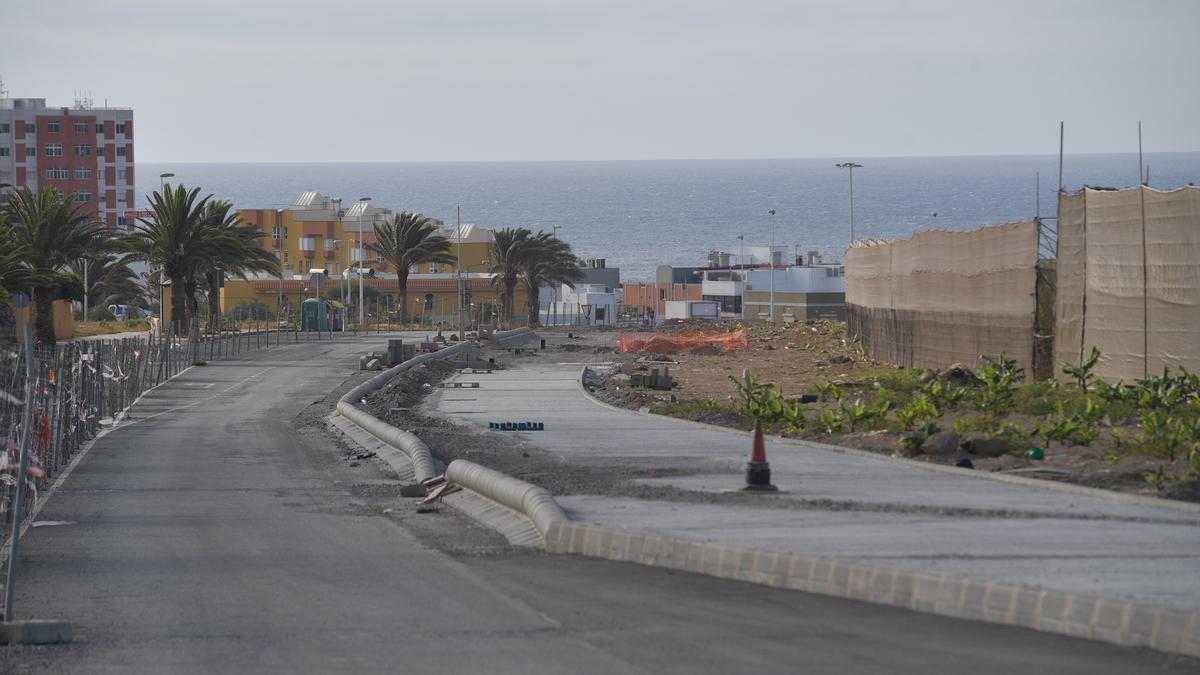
48,231
409,240
547,261
510,246
110,279
177,240
240,253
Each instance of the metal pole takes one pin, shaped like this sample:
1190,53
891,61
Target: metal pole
1061,136
771,256
851,203
462,329
22,468
360,264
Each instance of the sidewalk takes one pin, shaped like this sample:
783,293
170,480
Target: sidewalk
848,506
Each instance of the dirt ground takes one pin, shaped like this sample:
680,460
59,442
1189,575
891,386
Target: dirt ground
800,358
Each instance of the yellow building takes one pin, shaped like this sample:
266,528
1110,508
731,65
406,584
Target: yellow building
317,242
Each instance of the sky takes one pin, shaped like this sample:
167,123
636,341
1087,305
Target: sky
500,80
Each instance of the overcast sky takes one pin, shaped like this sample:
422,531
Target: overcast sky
395,80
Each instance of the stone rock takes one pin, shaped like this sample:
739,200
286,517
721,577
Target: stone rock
941,443
989,447
808,398
840,358
959,374
927,376
964,463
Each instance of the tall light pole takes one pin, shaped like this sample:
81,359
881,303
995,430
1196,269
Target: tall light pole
851,166
162,180
462,328
361,257
343,290
555,228
771,263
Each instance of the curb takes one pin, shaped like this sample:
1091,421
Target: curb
527,499
1077,615
1121,497
418,453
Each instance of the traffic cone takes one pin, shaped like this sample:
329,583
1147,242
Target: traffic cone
758,470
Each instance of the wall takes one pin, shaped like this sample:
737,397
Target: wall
1129,280
64,319
945,297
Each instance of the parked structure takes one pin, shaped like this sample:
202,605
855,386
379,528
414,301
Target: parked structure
80,149
801,293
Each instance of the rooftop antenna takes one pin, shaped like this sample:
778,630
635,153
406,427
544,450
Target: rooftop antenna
3,91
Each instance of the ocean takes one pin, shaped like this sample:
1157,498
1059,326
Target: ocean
641,214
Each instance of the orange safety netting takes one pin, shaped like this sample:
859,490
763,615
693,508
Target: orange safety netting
679,343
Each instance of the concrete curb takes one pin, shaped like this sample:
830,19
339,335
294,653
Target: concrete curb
1121,497
507,337
527,499
418,453
1078,615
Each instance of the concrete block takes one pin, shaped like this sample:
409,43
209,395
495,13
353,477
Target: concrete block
1139,625
1107,626
1025,612
999,601
35,632
1079,618
1054,605
1175,623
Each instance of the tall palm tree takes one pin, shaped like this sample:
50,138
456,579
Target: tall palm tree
240,253
177,240
49,231
110,278
409,239
510,246
548,260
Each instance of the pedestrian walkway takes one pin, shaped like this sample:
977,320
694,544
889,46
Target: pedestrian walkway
848,505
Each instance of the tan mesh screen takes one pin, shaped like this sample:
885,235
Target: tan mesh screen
945,297
1140,305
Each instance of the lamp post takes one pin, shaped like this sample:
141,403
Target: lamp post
361,256
462,329
851,166
162,180
771,263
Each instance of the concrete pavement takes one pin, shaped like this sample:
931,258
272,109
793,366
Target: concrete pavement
849,506
218,530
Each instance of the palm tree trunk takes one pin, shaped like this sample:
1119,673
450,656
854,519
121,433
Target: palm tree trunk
178,305
510,292
214,300
43,321
402,287
535,310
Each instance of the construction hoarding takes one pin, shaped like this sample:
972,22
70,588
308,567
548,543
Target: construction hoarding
945,297
1129,280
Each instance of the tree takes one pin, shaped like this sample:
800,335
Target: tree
510,246
174,240
110,279
239,253
547,260
14,275
48,231
409,239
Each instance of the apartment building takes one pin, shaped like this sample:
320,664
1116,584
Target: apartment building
81,150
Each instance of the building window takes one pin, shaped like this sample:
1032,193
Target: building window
99,128
3,152
99,150
54,149
57,173
30,128
121,222
30,151
83,172
5,128
275,231
52,126
120,198
120,151
83,150
434,268
120,127
83,196
81,127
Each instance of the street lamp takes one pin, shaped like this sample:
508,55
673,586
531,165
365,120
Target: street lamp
851,166
162,179
771,263
361,256
343,290
462,328
554,290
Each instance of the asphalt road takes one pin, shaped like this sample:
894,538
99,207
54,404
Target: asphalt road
221,530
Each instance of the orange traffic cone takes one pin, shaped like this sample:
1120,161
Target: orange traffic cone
758,470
